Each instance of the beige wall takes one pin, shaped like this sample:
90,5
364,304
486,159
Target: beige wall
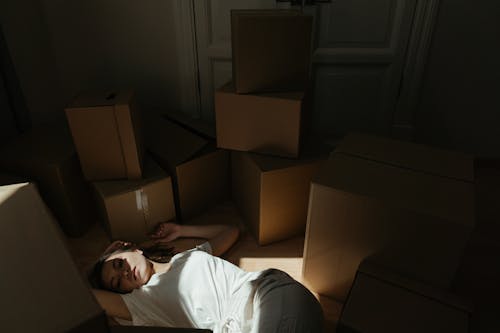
30,49
62,47
460,104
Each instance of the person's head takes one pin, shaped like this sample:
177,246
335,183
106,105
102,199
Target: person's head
123,267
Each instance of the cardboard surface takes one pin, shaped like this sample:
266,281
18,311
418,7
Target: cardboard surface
250,122
409,155
381,303
196,125
416,223
200,171
106,132
272,194
270,50
46,155
131,209
44,290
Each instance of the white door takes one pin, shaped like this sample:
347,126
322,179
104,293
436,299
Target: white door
358,59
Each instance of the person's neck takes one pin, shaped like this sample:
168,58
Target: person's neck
159,268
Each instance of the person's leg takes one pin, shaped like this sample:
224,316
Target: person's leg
287,306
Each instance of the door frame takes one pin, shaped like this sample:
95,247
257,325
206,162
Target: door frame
187,57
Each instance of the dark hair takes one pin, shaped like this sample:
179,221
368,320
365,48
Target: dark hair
155,252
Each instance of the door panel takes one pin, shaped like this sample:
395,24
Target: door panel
357,64
347,97
359,49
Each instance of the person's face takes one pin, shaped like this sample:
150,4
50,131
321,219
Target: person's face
126,271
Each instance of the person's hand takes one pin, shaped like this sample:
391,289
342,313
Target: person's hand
166,232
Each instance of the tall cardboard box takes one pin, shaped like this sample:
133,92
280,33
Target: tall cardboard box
269,123
43,290
200,172
272,193
106,131
46,155
271,50
383,302
416,216
131,209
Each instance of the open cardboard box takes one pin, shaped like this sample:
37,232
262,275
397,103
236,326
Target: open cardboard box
107,135
46,155
131,209
411,205
383,302
200,172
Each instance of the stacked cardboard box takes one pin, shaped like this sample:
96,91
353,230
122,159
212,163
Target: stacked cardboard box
132,192
381,301
262,111
46,155
410,205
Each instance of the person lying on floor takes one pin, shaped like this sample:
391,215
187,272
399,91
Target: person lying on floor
197,289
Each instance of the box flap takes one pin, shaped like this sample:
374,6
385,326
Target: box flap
46,292
449,199
170,142
409,155
196,125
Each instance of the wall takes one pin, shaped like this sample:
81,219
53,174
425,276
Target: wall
30,49
460,107
60,48
116,44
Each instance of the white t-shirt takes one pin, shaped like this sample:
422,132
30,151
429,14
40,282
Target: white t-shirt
199,290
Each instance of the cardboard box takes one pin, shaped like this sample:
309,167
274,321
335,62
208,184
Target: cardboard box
200,171
417,221
46,155
272,194
43,289
131,209
266,123
381,301
198,126
271,50
106,131
409,155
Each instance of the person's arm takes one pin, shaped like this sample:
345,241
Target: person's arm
112,304
220,236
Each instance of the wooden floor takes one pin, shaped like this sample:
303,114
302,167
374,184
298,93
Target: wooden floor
285,255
